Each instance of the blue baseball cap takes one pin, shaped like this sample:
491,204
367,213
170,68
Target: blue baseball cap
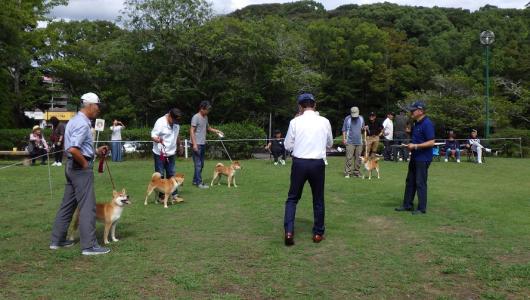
417,105
305,97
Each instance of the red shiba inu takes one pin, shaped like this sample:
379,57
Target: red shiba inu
230,172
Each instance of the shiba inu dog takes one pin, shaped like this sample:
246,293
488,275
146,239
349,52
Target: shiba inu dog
166,186
108,213
370,164
230,172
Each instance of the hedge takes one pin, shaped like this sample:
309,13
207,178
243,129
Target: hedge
510,148
10,138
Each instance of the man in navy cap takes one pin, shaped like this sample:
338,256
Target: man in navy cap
308,137
421,157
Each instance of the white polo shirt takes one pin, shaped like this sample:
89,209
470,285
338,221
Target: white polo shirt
169,136
388,129
308,136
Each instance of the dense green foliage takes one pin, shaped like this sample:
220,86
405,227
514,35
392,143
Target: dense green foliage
253,62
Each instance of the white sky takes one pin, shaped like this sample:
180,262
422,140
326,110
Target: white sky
110,9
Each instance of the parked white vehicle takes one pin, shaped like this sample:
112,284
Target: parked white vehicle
130,147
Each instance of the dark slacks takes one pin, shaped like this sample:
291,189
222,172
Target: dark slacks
401,138
78,192
165,168
416,183
387,153
302,170
277,153
198,163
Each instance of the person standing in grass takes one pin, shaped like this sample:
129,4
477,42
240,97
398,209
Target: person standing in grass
57,138
352,137
421,157
308,137
116,128
79,188
165,137
198,129
38,146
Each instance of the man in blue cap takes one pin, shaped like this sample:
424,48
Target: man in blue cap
308,137
421,157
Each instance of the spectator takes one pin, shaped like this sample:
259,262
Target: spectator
352,137
374,130
277,148
37,146
57,139
198,129
452,147
117,127
475,146
401,136
165,135
388,133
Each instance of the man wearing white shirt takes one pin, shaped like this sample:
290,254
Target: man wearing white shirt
165,135
308,137
388,133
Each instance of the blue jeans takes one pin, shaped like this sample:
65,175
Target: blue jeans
198,162
116,151
302,170
448,152
165,168
416,183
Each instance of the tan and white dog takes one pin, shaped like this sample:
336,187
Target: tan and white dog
108,213
229,172
166,186
370,164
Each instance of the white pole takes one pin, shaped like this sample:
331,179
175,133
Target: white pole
186,148
270,125
97,139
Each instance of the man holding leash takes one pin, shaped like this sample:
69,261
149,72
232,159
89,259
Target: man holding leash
79,188
421,157
198,129
165,135
308,137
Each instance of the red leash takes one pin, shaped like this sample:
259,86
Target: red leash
102,160
163,153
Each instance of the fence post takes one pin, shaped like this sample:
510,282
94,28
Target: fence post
186,148
521,146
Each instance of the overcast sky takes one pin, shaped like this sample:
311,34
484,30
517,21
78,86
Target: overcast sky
110,9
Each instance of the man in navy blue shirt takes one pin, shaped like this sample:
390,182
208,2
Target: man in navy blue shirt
421,149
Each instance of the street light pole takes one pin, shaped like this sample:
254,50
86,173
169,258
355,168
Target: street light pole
487,38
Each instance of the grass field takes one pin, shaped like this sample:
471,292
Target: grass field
474,242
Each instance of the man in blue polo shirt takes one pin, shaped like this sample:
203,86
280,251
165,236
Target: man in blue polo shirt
421,157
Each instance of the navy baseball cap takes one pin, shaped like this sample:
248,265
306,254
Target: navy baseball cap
417,105
305,97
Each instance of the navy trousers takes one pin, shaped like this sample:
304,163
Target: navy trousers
416,183
302,170
198,163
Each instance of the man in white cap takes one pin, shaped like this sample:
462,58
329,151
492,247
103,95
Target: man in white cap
352,138
79,188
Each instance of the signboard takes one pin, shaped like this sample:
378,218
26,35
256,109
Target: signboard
100,125
61,115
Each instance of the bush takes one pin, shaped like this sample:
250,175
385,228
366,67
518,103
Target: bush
510,148
236,149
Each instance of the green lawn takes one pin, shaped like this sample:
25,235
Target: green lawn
222,243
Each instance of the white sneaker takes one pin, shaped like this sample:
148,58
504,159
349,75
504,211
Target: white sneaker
400,159
54,164
282,162
347,176
488,150
480,162
446,160
275,163
458,160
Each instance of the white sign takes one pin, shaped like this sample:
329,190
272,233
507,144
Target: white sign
100,125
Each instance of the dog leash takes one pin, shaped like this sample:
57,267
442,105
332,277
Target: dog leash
163,153
103,160
226,151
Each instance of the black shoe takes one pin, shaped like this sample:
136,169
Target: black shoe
402,208
418,212
289,239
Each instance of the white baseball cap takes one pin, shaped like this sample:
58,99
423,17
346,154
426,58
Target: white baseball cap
90,98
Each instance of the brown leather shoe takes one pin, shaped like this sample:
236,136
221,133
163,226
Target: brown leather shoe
317,238
289,239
